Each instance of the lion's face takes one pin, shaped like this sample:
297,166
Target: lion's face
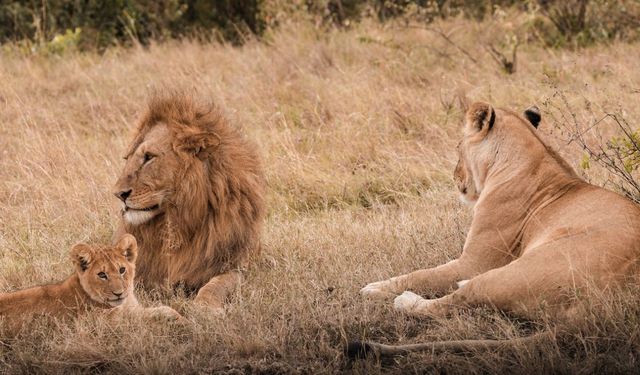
147,179
106,272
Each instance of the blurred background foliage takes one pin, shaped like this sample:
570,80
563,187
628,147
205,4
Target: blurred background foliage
56,25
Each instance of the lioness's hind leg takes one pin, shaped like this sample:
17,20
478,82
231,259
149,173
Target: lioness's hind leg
214,293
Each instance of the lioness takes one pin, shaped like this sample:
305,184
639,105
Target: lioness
539,232
192,193
103,280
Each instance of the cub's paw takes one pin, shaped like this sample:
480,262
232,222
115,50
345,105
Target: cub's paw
164,313
408,302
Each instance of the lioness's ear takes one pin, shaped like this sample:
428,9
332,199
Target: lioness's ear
81,256
128,245
480,118
533,115
196,142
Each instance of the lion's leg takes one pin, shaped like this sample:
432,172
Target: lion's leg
485,248
438,280
214,293
519,287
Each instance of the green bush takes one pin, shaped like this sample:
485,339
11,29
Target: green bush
579,23
106,22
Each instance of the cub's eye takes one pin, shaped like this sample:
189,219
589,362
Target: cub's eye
122,270
147,157
102,275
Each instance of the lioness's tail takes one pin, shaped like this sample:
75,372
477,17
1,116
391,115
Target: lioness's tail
360,349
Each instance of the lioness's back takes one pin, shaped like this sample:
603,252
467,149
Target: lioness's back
590,211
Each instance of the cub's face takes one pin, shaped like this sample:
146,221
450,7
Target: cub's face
147,179
106,273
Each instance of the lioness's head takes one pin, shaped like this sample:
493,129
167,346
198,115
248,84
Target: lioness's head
106,272
481,144
172,140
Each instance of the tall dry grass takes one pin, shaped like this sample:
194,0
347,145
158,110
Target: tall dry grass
357,130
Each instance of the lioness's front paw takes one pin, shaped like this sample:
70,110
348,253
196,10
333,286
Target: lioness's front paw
408,302
377,290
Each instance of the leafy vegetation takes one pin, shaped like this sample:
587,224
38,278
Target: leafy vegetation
104,23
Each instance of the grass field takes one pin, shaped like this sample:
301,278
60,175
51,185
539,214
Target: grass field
357,131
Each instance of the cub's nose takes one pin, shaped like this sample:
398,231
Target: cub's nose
123,194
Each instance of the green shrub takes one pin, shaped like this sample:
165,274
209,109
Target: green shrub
579,23
107,22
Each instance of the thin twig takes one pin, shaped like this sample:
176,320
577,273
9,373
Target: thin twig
445,37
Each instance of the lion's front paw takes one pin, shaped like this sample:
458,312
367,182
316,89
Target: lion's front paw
212,305
408,302
213,311
378,290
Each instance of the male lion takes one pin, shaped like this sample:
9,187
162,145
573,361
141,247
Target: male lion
103,280
192,194
538,233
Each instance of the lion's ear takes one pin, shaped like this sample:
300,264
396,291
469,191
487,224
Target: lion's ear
81,256
128,245
196,142
480,118
533,115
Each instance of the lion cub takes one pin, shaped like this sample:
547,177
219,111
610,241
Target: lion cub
104,279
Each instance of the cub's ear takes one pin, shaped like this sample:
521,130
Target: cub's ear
81,256
128,245
480,118
533,115
196,142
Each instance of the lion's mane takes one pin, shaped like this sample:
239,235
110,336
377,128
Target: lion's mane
213,219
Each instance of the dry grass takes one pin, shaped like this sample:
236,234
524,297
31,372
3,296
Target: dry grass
357,131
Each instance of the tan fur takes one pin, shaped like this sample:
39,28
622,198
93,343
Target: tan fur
204,185
103,280
539,232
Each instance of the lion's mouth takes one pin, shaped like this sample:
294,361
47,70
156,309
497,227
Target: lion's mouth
147,209
137,216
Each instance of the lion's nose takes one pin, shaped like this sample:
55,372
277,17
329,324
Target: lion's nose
123,195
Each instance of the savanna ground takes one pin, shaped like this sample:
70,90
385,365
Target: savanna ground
357,130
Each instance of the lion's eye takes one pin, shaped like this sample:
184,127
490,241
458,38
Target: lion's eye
147,157
122,270
102,275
